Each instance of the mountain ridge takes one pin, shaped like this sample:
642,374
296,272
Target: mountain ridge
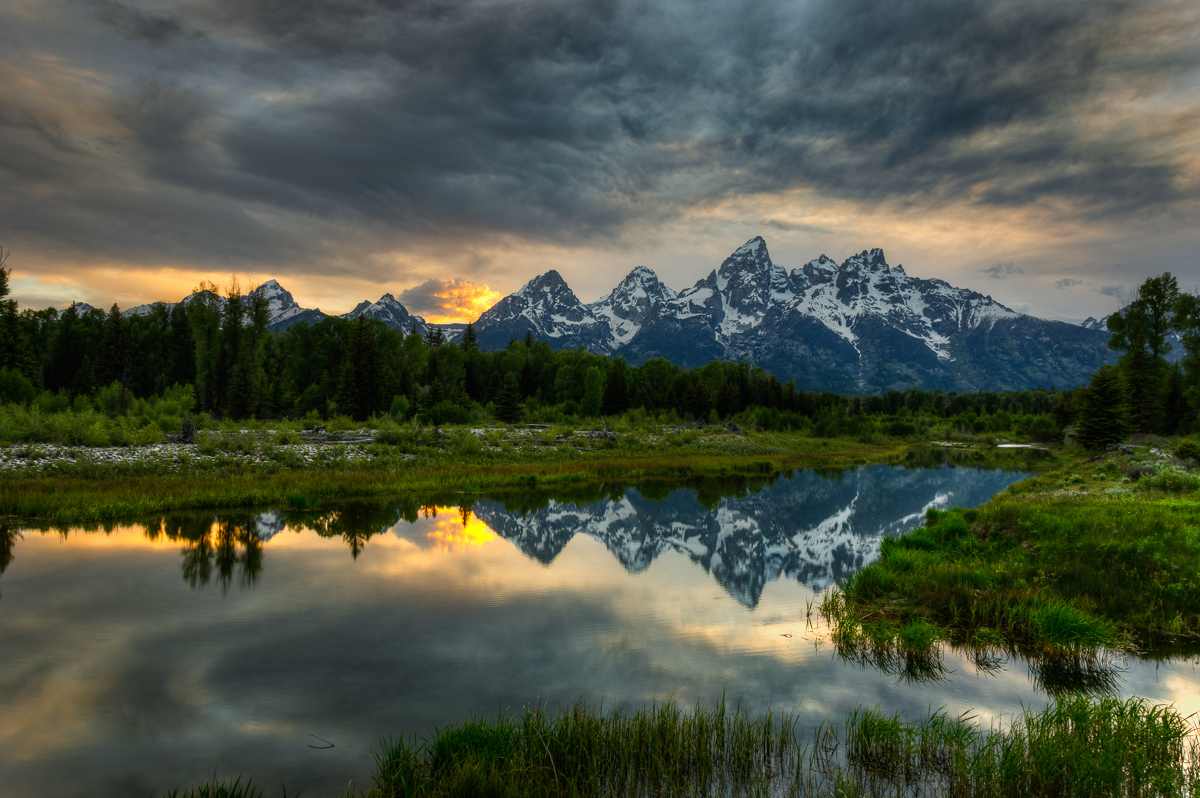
856,327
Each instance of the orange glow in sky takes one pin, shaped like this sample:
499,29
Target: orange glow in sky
460,300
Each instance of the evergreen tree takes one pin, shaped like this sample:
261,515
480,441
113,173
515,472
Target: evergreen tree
616,389
434,337
528,340
112,366
230,349
358,392
528,378
696,401
15,352
1175,407
729,400
508,400
204,321
1101,411
469,339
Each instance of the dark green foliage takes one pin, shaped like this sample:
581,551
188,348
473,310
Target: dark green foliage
15,387
1187,449
1101,413
359,392
1047,570
508,398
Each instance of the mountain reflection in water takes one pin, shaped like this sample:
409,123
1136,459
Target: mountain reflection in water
117,677
815,528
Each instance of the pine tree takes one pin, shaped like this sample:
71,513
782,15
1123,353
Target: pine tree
113,349
729,399
508,400
528,378
359,389
1101,410
15,351
1175,407
616,390
469,339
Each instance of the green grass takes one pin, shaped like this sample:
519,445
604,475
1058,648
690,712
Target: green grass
1076,747
431,466
1064,564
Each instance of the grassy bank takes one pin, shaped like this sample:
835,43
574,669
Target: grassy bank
1073,748
425,462
1098,553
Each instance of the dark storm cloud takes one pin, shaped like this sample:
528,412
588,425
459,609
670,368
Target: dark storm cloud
371,120
157,29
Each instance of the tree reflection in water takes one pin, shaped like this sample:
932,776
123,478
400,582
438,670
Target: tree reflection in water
217,548
8,540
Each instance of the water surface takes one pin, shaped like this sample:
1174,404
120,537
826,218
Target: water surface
140,657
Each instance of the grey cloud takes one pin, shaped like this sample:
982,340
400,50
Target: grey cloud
1000,270
1116,291
156,29
1067,282
377,123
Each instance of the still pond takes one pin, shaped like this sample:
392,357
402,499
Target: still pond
141,657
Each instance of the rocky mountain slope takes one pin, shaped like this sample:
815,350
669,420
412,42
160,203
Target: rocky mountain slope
854,327
858,326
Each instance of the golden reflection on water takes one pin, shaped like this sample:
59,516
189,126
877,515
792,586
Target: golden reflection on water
196,629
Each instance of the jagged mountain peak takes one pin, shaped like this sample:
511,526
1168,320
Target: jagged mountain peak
636,299
873,259
549,282
752,255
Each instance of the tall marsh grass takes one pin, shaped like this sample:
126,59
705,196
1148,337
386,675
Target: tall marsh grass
1076,747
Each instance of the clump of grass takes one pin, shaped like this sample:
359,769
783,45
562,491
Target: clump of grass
220,788
657,750
1074,747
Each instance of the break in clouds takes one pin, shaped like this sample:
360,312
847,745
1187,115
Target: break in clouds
315,133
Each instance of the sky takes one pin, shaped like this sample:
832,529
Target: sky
448,151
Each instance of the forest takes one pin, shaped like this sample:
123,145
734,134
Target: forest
215,356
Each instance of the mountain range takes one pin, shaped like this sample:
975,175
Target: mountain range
860,326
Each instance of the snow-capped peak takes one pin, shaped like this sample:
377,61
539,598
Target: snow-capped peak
391,312
638,298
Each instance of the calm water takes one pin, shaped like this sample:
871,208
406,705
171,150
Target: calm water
139,658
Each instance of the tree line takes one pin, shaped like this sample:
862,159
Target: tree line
237,368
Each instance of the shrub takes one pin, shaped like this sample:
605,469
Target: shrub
1187,449
446,413
1170,479
15,388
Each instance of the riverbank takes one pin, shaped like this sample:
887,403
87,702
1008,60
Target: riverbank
1099,553
246,469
